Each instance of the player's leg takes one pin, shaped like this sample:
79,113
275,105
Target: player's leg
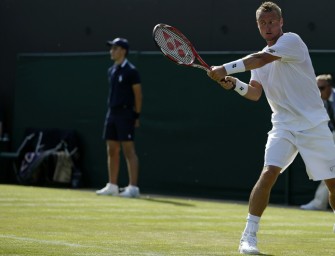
279,153
331,187
259,199
260,195
317,149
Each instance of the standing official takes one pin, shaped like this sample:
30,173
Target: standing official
124,108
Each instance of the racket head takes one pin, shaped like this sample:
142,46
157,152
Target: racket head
174,45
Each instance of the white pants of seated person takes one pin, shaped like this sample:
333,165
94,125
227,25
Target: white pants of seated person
321,200
321,197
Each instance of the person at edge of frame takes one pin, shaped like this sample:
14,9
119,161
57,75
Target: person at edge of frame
325,84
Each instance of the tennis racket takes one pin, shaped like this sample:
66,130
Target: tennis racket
175,46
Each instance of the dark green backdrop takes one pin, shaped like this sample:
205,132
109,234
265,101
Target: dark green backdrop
195,138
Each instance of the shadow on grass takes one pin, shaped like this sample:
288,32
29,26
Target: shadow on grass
167,201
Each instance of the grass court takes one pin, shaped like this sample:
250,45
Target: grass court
46,221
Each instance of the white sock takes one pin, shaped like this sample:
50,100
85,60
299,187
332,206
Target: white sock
252,224
253,218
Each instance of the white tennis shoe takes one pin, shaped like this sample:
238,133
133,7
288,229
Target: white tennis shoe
130,191
311,207
248,244
108,190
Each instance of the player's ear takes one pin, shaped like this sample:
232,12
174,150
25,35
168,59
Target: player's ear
281,22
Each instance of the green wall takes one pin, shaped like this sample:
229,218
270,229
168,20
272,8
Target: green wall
195,138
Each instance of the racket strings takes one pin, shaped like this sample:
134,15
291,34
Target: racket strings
174,46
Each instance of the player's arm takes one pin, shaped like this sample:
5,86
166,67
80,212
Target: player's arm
258,60
252,61
251,91
137,89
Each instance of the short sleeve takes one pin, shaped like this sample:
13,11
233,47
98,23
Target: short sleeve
289,47
254,76
135,77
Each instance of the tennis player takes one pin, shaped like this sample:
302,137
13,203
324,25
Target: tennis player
283,69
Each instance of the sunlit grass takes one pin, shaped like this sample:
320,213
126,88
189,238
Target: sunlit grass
44,221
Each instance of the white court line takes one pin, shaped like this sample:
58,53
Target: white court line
27,239
60,243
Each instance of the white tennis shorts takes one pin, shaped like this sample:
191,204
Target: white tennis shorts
316,147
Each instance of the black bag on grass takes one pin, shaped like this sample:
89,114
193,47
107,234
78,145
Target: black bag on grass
36,167
51,167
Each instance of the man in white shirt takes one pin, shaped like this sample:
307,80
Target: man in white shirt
283,69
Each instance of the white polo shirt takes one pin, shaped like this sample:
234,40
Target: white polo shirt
290,85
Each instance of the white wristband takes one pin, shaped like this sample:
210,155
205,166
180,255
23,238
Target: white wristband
241,87
234,67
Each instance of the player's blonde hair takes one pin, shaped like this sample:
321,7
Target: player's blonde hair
269,7
325,77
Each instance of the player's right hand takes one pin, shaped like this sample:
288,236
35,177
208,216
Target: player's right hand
217,73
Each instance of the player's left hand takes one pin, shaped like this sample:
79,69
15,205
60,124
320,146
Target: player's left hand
217,73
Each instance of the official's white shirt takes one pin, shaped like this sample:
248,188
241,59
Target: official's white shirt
290,85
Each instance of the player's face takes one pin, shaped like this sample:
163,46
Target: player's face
270,26
325,89
117,53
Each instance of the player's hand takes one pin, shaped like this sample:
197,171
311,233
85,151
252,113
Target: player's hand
228,82
217,73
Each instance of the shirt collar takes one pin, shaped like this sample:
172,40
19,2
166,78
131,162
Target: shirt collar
116,67
124,63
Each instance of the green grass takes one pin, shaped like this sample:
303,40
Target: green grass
44,221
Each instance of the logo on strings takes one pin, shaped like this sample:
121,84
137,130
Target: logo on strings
173,44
